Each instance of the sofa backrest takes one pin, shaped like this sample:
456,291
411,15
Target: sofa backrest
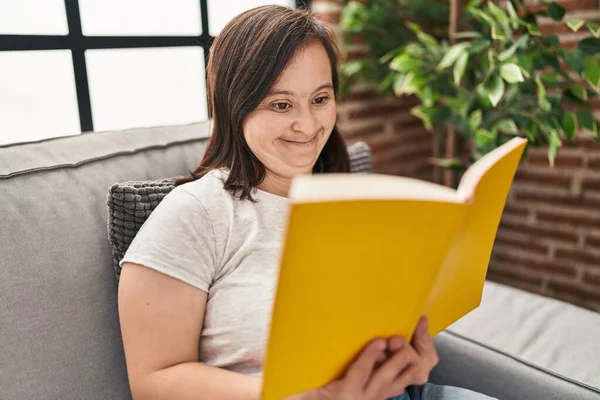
59,330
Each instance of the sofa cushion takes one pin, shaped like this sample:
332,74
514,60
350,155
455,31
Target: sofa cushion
59,328
519,345
130,203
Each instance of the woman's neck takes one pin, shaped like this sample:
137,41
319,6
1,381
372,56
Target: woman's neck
276,185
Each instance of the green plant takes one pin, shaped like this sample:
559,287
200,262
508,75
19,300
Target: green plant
500,78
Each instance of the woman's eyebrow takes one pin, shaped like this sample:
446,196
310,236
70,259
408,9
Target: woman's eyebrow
290,93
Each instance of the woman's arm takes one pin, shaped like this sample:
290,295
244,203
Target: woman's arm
161,320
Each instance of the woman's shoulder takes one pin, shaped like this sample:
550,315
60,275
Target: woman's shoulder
208,190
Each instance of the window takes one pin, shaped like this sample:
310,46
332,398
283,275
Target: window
73,66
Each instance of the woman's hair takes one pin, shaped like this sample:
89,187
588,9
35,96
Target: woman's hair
245,61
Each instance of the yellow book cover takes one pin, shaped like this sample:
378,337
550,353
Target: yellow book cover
366,255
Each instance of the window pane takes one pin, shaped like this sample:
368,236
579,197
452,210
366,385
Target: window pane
140,17
37,96
221,12
33,17
146,87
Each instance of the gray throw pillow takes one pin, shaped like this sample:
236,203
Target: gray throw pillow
130,203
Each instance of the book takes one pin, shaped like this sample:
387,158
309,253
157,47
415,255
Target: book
365,255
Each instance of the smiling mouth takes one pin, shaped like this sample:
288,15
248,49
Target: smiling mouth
300,142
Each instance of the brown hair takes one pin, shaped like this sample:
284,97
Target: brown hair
245,61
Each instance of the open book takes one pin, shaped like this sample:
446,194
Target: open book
366,255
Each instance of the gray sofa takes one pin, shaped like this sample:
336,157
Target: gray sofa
59,329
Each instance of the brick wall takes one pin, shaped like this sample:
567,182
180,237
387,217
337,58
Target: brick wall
549,238
400,144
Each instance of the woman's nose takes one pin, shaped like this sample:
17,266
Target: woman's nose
306,122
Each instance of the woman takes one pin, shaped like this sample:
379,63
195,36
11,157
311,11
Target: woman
197,283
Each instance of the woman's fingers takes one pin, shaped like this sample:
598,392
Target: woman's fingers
383,378
360,370
423,344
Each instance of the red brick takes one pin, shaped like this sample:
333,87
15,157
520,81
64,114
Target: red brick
572,288
576,220
556,199
590,184
594,163
418,134
361,95
515,278
535,232
381,144
330,17
376,111
592,278
563,160
587,142
365,132
545,177
578,256
511,239
355,54
593,241
540,266
569,5
516,209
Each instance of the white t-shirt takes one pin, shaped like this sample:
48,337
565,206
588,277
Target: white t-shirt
201,235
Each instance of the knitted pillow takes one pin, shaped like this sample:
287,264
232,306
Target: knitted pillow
130,203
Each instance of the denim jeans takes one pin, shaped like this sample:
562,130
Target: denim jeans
430,391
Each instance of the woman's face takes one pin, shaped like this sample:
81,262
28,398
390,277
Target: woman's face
288,130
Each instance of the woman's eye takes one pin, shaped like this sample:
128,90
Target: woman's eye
281,106
321,100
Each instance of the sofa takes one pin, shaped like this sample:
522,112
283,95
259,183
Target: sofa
59,326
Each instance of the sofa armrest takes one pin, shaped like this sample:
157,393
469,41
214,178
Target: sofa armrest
472,365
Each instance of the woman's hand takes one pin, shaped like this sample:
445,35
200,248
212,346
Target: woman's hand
383,369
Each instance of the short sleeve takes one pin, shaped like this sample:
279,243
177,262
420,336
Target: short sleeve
178,240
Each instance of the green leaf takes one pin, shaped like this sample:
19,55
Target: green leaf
591,72
479,45
511,73
483,17
589,45
352,67
551,77
390,54
452,55
569,124
484,138
575,59
425,114
498,33
587,121
553,145
475,120
500,16
512,13
526,61
508,53
543,101
386,83
429,41
460,67
449,163
531,130
494,87
594,28
575,24
556,12
404,84
403,62
468,35
507,126
579,92
533,30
